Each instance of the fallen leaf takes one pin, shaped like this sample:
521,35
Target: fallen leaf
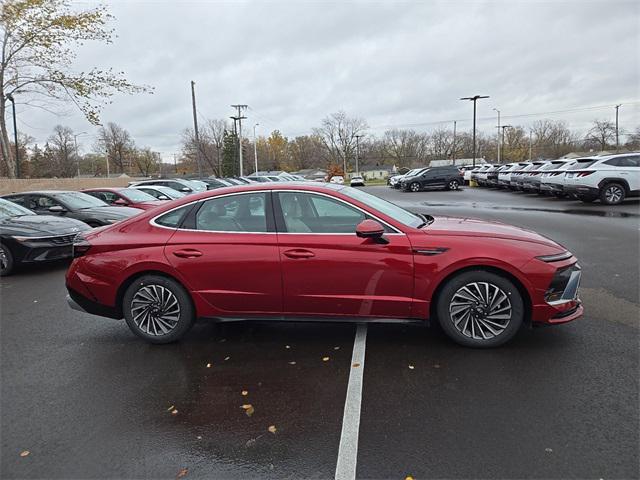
24,453
287,346
222,340
246,406
292,363
355,365
336,348
249,411
548,450
272,428
174,412
35,301
250,443
244,393
183,472
325,359
208,365
199,437
226,358
408,477
170,408
411,367
436,366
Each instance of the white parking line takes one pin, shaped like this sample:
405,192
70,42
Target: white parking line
348,450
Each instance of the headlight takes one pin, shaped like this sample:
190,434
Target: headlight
557,257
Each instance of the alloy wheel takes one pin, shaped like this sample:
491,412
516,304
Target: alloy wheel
453,185
613,194
155,310
4,259
415,187
480,310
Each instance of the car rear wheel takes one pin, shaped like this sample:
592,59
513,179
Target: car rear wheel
480,309
612,194
6,261
453,185
158,309
414,187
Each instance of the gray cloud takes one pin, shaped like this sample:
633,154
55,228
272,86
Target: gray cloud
393,63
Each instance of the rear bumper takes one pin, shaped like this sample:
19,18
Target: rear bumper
551,187
81,303
582,190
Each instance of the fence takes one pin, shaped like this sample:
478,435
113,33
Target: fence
27,184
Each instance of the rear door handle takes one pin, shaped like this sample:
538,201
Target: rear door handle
188,253
298,253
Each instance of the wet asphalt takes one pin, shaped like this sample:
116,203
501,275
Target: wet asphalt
87,399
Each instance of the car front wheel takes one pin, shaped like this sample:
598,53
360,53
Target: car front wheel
480,309
158,309
6,261
453,185
612,194
414,187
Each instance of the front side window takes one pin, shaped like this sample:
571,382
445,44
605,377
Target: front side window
234,213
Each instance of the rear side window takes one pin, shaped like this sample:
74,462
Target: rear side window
173,219
623,162
234,213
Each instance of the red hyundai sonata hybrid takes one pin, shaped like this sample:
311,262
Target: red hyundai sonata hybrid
320,252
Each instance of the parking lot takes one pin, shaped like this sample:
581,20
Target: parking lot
85,398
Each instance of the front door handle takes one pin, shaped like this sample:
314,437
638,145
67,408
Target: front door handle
298,253
188,253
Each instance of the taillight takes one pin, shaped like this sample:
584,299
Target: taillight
584,174
80,246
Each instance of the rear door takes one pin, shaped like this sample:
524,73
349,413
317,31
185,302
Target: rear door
328,271
227,251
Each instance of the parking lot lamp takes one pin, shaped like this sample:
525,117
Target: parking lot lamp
495,109
15,134
474,99
255,149
617,138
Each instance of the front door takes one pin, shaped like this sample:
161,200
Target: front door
328,271
228,253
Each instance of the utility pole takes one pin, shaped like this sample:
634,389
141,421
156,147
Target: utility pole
453,153
235,135
195,126
75,144
530,142
358,137
498,133
240,118
255,148
474,99
15,134
503,127
617,138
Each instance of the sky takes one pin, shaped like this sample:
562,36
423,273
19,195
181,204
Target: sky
397,64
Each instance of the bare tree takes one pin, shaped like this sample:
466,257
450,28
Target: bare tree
404,147
338,135
61,144
116,142
147,161
602,133
552,139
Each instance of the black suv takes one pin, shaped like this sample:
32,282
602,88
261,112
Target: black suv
449,178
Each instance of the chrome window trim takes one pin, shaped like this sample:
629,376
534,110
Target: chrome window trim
153,220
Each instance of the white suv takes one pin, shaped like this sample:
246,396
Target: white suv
611,178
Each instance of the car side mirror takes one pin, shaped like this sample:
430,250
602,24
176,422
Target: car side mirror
57,209
163,197
122,202
185,189
371,229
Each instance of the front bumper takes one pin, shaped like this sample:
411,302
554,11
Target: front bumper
561,301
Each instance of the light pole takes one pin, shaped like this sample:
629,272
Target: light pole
530,142
75,144
15,134
498,133
617,141
358,137
474,99
255,148
504,127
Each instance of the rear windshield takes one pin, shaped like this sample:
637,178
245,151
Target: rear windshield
550,166
583,164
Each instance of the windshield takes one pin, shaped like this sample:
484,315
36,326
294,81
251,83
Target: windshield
399,214
9,209
169,192
137,195
78,200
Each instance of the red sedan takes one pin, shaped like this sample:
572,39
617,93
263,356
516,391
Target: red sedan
125,197
320,252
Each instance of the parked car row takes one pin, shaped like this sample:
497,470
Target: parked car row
446,177
610,178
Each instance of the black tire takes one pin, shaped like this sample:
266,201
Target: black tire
155,283
6,261
584,199
613,193
414,187
445,310
453,185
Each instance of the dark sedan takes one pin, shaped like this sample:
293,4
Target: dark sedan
29,238
69,204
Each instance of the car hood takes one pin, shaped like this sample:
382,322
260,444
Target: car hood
41,225
471,227
111,212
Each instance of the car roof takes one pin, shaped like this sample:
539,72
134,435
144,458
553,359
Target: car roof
103,189
42,192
